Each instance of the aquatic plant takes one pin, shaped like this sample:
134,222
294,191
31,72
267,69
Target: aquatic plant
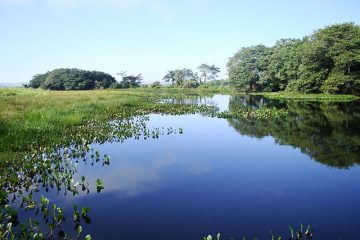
301,234
253,114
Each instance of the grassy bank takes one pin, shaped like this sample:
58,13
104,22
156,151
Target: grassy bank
308,97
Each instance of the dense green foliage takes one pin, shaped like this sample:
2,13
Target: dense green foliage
328,61
71,79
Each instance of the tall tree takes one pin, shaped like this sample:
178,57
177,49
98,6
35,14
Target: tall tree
170,77
129,81
208,72
247,66
179,76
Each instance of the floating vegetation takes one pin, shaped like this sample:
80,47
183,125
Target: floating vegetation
301,234
263,113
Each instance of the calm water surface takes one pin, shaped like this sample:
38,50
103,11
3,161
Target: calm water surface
237,177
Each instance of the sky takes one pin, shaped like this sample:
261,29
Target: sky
149,36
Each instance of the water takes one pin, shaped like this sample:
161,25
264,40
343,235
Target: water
237,177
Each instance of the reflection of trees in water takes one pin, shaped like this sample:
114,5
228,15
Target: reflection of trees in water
192,100
327,132
252,102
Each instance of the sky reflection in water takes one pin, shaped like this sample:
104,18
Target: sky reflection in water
214,179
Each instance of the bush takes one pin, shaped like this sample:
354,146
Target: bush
190,84
156,84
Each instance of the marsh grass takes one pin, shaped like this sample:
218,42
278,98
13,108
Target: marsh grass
308,97
28,116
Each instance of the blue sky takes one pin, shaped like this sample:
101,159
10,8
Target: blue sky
149,36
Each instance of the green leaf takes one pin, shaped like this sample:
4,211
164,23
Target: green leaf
99,185
84,211
78,229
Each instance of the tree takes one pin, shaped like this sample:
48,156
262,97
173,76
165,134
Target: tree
129,81
327,61
72,79
155,84
330,61
283,61
37,80
208,72
179,76
247,66
170,77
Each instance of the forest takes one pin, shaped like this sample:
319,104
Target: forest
328,61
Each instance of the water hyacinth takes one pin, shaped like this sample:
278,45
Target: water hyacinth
300,234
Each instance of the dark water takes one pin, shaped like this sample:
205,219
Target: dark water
237,177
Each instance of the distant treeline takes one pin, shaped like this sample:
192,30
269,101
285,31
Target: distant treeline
328,61
77,79
71,79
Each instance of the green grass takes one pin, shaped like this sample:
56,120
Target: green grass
308,97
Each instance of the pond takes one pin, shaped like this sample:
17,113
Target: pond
239,177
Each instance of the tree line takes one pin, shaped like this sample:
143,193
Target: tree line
77,79
328,61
